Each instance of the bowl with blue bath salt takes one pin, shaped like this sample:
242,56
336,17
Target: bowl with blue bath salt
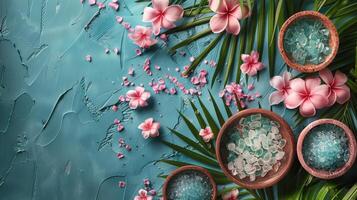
326,148
308,41
189,183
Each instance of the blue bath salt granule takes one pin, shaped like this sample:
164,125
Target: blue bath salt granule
190,185
326,147
306,41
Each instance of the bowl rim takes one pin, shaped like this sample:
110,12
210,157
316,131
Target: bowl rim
290,153
322,173
189,168
334,41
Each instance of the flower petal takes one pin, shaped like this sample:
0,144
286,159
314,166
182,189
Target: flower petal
312,83
319,101
245,58
276,97
173,13
156,26
218,6
293,100
332,98
307,109
255,56
343,94
244,68
298,85
218,23
340,78
167,24
233,26
150,14
277,82
160,5
323,90
326,76
286,77
133,104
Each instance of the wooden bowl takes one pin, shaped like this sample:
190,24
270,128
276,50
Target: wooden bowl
272,177
334,41
189,168
321,173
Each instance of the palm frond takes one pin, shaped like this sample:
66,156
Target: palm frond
222,57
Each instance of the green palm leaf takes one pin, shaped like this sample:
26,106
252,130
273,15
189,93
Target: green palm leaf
222,57
216,109
209,118
193,155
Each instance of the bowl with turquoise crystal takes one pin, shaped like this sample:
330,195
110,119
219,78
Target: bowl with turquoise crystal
255,148
189,183
326,148
308,41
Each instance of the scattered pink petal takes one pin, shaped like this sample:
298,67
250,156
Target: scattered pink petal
89,58
157,67
122,184
120,155
173,91
149,128
128,147
101,5
116,121
138,52
147,182
153,192
114,5
119,19
92,2
120,127
250,87
131,71
192,59
116,51
177,69
115,108
164,37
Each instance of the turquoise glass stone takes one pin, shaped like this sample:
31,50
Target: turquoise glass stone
306,41
326,147
189,185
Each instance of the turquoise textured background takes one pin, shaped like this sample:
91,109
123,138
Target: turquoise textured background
56,135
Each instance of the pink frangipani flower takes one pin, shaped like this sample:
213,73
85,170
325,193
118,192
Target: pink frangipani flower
161,15
149,128
206,134
282,85
143,195
338,90
228,12
142,37
232,195
251,63
137,97
309,94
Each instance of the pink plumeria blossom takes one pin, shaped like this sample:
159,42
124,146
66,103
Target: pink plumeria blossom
114,5
138,97
161,15
142,37
251,63
308,95
338,90
206,134
143,195
149,128
228,12
232,195
282,85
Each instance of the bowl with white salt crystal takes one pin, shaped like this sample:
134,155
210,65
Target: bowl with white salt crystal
255,148
308,41
326,148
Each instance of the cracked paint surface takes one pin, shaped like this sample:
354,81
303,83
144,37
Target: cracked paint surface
56,124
